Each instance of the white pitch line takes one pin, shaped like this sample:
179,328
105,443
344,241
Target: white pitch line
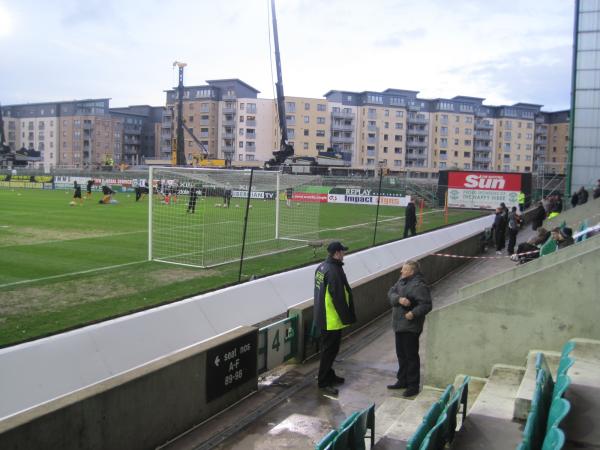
71,274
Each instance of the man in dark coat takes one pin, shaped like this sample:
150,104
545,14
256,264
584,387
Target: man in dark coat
499,230
192,200
411,301
333,311
596,193
410,219
538,216
582,196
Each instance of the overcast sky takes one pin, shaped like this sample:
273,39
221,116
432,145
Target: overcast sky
505,51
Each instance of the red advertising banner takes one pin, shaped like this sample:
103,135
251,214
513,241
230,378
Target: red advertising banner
492,181
309,197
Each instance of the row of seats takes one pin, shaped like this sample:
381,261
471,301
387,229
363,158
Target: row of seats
439,423
352,432
548,407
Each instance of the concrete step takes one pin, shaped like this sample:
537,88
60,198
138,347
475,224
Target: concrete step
476,385
489,424
586,349
525,392
387,413
401,429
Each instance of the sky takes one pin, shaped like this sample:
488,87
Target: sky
504,51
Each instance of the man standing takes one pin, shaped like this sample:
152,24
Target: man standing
88,189
192,200
77,193
410,219
521,201
513,229
499,230
333,311
411,301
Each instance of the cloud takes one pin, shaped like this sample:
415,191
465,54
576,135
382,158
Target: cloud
87,12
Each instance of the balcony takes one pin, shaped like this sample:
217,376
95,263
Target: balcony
342,127
228,97
226,135
416,144
417,132
482,125
540,119
483,148
372,141
228,148
204,122
541,129
342,139
483,159
372,128
483,135
541,141
228,122
229,109
250,135
416,157
417,119
250,123
342,114
87,125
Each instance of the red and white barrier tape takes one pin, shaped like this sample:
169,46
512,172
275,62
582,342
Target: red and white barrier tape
447,255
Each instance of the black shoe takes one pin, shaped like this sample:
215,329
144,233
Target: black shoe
328,390
410,392
397,385
337,380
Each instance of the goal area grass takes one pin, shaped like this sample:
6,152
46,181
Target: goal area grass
64,266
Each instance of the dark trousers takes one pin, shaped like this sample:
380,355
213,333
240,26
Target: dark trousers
412,227
500,239
512,240
192,205
330,346
409,363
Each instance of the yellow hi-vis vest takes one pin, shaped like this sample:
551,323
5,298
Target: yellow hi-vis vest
333,318
521,198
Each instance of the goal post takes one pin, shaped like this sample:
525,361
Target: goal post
196,215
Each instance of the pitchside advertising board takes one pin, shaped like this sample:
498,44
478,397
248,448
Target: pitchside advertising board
483,190
358,196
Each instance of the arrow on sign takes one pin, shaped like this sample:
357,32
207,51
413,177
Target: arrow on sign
217,361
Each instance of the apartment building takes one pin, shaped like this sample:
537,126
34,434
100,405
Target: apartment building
308,125
223,115
515,137
557,143
141,132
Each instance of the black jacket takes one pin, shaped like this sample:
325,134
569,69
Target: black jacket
538,217
330,277
410,214
414,289
499,223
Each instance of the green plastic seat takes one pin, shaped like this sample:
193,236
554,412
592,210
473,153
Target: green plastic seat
529,430
364,420
429,421
549,247
326,441
435,439
554,440
342,440
560,387
558,411
453,409
446,395
348,420
567,349
564,365
582,227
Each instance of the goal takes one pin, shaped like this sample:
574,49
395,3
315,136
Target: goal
197,215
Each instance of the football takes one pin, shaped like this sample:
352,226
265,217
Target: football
72,203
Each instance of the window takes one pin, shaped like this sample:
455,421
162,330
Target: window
386,113
385,149
456,130
467,165
507,146
457,119
467,154
306,132
468,142
321,107
398,138
529,136
398,126
468,119
397,150
306,119
397,162
251,108
241,144
242,106
241,157
321,120
320,147
249,157
305,146
386,124
385,137
468,131
443,142
290,133
320,133
455,141
307,107
444,131
372,98
290,107
508,135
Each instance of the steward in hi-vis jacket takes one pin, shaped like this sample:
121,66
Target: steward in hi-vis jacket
333,311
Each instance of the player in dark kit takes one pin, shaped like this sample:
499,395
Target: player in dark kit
226,197
88,189
192,200
77,193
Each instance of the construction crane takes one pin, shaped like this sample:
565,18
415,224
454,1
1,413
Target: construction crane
178,154
284,158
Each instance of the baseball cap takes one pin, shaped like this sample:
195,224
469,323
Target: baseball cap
336,246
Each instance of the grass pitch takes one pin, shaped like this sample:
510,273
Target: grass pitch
65,266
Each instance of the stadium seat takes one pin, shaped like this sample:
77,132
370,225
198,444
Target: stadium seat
564,365
348,420
453,407
446,395
558,411
567,348
327,441
554,440
364,420
343,438
435,439
548,247
582,227
562,384
429,421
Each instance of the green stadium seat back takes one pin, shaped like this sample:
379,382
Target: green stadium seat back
567,348
453,408
435,439
446,395
360,426
554,440
348,420
342,440
560,387
549,247
529,429
564,365
541,363
558,411
429,421
582,227
326,441
563,224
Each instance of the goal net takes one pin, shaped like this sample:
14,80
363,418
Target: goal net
197,215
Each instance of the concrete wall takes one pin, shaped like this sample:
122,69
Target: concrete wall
139,409
553,300
370,298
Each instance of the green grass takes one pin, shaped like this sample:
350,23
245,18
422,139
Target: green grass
62,266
